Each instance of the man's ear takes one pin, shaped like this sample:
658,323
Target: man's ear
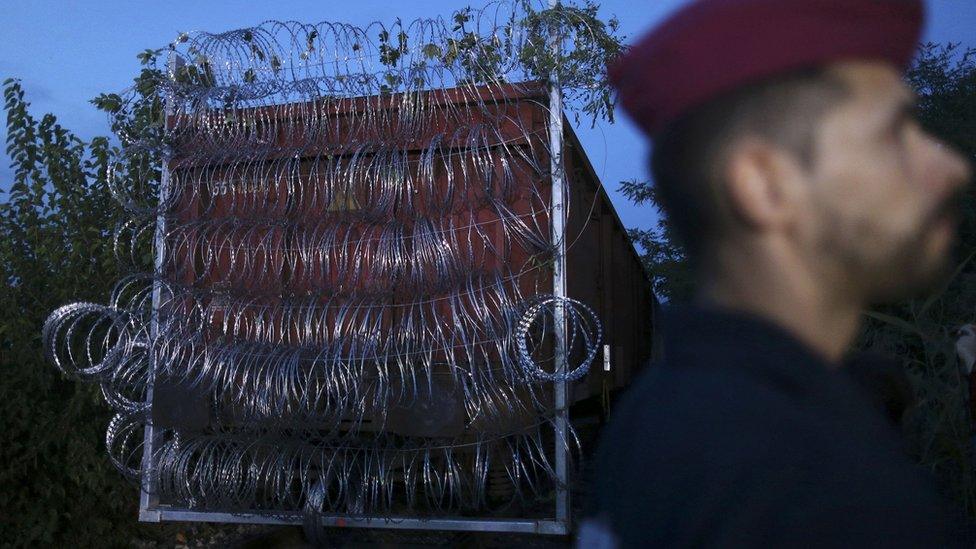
763,184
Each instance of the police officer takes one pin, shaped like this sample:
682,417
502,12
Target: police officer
788,159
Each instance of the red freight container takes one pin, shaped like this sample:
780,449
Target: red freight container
283,238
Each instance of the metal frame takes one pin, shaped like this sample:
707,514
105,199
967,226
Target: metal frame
515,526
150,509
559,214
148,500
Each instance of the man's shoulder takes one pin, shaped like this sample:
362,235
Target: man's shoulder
686,444
713,449
702,396
686,425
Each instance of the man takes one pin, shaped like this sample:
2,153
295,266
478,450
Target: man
788,160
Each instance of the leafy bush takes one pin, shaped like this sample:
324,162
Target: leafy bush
56,224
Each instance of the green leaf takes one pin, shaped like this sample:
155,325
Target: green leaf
896,322
431,51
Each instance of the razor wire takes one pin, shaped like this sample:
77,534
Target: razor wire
352,270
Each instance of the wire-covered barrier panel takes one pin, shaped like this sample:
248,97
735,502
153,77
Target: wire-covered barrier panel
350,311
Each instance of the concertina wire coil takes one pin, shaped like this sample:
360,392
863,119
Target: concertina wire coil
352,278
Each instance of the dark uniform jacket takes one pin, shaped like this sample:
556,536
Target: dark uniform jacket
743,436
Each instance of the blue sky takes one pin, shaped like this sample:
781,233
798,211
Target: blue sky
67,52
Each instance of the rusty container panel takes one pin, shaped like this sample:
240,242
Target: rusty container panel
319,256
605,271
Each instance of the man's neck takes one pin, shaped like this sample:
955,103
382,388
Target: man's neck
816,312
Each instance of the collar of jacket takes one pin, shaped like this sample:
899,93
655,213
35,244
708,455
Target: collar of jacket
707,336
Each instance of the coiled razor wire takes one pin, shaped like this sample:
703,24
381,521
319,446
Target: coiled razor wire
582,321
352,243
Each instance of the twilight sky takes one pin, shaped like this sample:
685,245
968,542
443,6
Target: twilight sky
67,52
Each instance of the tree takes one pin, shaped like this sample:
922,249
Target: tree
56,247
919,331
662,255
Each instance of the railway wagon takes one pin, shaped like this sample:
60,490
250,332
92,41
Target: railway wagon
358,325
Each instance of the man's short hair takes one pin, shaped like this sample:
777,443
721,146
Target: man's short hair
689,155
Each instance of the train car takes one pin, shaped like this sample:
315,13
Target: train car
351,280
396,310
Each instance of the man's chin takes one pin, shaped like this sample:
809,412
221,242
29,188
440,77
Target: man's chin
913,279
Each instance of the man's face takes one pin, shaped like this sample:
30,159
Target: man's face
884,192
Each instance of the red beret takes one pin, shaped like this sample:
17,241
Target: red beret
715,46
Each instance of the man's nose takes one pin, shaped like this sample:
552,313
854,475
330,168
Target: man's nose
949,169
959,169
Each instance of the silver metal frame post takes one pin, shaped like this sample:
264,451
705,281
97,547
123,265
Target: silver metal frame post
148,501
559,279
